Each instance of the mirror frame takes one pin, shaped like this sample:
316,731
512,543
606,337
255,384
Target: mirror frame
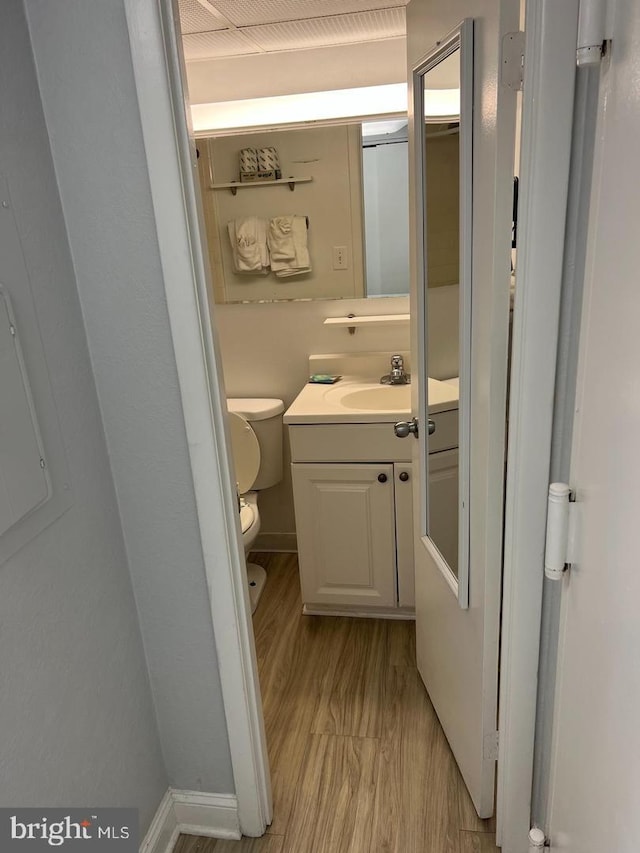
461,38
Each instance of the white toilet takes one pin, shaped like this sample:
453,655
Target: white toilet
256,442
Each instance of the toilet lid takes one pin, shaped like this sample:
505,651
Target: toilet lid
246,452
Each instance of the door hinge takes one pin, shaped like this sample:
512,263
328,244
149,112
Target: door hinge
560,546
490,746
537,840
512,60
595,30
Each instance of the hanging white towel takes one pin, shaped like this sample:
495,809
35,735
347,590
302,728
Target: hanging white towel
280,239
288,246
248,239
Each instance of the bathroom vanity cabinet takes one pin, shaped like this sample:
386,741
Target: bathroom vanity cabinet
352,486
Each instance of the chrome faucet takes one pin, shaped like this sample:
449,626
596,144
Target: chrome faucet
397,375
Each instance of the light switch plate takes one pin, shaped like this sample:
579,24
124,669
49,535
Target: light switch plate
340,258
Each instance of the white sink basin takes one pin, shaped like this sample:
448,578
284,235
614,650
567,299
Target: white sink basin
380,398
361,400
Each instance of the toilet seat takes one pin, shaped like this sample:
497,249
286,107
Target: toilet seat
248,514
246,451
246,517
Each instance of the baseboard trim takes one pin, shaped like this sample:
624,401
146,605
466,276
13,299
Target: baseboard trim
163,832
214,815
276,542
191,813
408,615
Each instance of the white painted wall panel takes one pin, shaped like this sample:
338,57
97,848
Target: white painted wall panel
91,110
77,714
24,482
596,775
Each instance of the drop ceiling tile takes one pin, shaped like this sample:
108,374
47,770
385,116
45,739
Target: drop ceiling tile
247,13
194,18
215,44
338,29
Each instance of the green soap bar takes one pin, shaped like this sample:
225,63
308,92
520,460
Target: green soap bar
323,379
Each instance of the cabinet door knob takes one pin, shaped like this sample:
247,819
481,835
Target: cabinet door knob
382,478
404,476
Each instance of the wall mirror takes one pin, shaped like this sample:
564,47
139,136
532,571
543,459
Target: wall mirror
353,192
443,96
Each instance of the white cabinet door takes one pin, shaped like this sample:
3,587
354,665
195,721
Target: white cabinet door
404,534
346,534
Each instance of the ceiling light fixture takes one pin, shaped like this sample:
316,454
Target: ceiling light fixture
227,117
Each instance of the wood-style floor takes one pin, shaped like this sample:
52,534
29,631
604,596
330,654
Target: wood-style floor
359,762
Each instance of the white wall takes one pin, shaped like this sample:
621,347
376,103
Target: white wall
86,79
265,350
291,72
595,774
385,185
78,723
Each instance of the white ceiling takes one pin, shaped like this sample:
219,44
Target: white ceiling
223,28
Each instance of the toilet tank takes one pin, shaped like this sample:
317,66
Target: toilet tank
265,417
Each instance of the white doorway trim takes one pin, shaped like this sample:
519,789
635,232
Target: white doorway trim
547,120
157,58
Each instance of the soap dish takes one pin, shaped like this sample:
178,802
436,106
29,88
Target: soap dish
323,379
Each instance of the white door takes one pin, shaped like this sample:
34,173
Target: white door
596,773
458,648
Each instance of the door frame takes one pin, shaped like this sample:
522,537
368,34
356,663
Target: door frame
547,123
157,59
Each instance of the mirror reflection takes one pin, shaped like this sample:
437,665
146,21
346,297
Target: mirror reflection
353,194
441,146
385,196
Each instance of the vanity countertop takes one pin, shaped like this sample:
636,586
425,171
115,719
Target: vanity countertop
354,399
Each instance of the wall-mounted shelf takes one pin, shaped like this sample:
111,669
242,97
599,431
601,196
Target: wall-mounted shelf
352,323
234,186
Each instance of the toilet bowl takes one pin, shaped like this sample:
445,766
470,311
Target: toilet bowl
256,442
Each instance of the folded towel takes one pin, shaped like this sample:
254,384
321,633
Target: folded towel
288,246
248,239
280,239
